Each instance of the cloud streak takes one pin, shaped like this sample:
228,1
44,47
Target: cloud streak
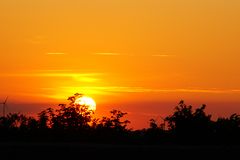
140,89
118,89
120,54
56,53
108,54
83,77
109,90
163,55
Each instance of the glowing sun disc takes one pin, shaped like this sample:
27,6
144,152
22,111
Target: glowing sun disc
87,101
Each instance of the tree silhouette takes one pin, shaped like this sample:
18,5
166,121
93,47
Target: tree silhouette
72,116
187,124
43,119
153,124
16,120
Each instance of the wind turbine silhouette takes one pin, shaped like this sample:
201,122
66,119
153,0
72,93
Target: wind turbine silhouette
4,106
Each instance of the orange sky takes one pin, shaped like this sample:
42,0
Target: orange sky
141,56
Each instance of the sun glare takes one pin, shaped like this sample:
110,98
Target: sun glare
87,101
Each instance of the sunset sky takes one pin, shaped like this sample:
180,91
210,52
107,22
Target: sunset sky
139,56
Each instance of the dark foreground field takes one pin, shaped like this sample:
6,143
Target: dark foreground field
106,151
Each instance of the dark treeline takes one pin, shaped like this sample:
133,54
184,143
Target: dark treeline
75,123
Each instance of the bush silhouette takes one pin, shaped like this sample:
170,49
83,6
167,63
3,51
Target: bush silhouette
114,122
228,129
189,125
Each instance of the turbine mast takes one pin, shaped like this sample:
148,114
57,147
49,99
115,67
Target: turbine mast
4,106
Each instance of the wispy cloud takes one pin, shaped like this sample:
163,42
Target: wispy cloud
83,77
236,90
109,90
54,70
38,39
56,53
108,54
163,55
96,77
121,54
119,89
199,90
141,89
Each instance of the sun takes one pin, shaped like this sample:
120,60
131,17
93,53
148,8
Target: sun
87,101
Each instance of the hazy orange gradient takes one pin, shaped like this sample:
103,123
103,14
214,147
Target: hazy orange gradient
140,56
